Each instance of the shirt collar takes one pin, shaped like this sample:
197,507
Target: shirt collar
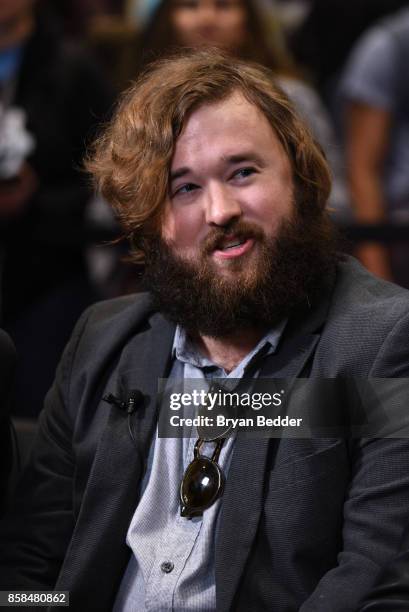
185,351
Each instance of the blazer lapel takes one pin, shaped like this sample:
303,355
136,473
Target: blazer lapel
243,495
97,556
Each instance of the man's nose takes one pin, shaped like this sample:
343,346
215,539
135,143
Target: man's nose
208,13
208,16
221,206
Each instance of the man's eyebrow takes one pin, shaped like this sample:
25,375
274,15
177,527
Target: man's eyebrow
178,173
249,156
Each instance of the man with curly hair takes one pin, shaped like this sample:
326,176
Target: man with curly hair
222,191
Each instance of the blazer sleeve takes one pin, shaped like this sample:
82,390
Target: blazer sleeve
7,368
376,508
391,592
35,533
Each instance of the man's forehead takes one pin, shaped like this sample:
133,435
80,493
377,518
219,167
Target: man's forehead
235,106
233,128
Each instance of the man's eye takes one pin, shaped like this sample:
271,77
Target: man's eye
244,172
187,188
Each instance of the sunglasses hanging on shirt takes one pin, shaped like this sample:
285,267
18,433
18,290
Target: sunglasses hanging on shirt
203,481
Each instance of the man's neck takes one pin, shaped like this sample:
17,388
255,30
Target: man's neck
229,351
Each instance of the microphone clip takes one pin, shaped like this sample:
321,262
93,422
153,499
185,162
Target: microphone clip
135,396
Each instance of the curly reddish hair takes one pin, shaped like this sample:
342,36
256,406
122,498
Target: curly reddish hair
130,161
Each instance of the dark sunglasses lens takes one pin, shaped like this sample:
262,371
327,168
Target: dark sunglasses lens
200,487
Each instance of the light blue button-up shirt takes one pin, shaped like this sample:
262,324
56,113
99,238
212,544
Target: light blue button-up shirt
172,565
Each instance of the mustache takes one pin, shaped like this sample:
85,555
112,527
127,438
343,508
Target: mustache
239,229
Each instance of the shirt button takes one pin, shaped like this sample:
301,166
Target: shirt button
167,567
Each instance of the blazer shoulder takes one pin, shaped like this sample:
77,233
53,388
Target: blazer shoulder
104,328
367,323
357,290
128,308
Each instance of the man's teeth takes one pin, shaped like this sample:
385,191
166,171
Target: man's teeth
232,245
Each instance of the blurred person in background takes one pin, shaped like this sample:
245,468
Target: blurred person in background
77,16
240,27
323,49
375,93
51,96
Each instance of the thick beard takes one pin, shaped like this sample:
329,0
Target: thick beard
286,272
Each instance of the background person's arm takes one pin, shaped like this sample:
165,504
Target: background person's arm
367,139
370,95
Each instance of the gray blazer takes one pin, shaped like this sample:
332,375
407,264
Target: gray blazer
305,524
